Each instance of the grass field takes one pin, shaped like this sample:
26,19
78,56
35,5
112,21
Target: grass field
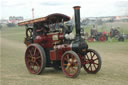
114,70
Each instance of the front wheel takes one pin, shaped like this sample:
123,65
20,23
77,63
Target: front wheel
92,61
70,64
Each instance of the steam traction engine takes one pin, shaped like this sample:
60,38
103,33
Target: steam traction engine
51,44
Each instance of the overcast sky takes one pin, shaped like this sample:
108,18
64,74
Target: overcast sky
89,8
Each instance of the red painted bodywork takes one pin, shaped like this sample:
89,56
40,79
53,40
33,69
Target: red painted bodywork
58,51
47,41
82,59
50,40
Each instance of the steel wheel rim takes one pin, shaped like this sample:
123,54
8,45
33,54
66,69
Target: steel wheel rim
68,63
33,60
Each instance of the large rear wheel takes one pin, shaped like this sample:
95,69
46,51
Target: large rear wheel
92,61
35,59
71,64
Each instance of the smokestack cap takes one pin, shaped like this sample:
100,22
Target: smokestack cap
76,7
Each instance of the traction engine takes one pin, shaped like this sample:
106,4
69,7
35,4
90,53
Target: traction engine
49,44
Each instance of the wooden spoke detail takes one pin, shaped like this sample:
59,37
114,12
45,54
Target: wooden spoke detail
70,64
92,61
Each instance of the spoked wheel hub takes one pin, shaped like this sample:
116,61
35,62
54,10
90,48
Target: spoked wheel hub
71,64
33,59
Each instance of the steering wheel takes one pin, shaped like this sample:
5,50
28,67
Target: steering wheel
29,33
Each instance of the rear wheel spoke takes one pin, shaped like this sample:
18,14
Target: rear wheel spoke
30,53
38,57
32,65
34,51
37,64
29,61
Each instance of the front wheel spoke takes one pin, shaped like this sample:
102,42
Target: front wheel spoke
76,64
92,55
87,61
95,63
95,59
74,69
68,57
94,66
65,58
68,68
87,56
72,57
65,64
89,66
73,60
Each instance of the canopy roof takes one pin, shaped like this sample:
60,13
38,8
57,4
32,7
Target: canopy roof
50,19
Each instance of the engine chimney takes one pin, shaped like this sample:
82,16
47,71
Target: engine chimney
79,44
77,21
